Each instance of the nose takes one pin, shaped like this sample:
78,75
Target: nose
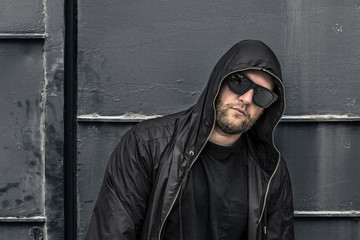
247,97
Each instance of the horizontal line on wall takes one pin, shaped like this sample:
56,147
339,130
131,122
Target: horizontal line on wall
122,118
320,118
22,35
133,118
327,213
37,219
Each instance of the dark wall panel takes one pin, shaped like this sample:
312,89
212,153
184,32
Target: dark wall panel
327,228
321,57
31,121
135,53
154,57
10,231
22,170
22,16
95,145
323,159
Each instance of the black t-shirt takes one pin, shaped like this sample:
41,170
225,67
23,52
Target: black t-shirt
214,202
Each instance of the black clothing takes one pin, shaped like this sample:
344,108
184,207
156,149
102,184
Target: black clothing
148,168
214,203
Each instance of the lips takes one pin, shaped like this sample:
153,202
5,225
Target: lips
239,110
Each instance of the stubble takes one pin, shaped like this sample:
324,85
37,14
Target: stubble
232,125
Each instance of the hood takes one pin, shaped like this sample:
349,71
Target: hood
245,55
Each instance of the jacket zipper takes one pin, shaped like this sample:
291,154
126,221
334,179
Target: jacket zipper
279,159
207,139
182,181
198,154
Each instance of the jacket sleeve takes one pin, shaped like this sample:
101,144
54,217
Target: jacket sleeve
280,212
121,205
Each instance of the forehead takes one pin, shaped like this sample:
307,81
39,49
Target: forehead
261,78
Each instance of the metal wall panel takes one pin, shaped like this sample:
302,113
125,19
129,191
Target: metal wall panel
328,228
22,171
11,231
95,145
321,57
174,52
22,16
139,49
31,123
323,159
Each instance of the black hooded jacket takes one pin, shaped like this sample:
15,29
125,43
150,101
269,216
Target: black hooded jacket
146,171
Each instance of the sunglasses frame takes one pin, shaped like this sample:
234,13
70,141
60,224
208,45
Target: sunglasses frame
252,85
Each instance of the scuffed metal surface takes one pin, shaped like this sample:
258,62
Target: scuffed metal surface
323,160
31,93
21,178
321,118
36,219
351,214
11,231
321,57
21,16
128,117
95,144
158,64
54,125
327,228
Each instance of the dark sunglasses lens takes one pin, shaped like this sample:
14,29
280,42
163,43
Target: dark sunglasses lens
239,84
263,97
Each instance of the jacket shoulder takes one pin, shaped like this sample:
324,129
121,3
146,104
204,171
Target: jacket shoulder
155,128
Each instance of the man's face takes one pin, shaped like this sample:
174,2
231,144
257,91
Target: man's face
236,114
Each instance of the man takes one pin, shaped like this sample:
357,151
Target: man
210,172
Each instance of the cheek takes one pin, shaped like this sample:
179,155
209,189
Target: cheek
256,112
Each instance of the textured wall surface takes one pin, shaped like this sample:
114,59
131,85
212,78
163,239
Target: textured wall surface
21,162
31,121
154,58
19,16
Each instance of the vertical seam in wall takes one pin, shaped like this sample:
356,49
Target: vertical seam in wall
43,119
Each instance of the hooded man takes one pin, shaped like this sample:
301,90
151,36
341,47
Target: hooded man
210,172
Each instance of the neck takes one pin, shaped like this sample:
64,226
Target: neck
223,139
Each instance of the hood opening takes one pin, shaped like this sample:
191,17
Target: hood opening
245,55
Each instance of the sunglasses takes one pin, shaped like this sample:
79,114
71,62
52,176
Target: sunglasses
240,84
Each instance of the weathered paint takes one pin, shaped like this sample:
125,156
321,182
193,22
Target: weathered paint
54,127
286,118
18,16
35,219
351,214
322,118
323,161
128,117
11,231
95,144
21,164
31,56
327,228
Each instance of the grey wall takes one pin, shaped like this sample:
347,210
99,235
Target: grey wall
31,124
154,58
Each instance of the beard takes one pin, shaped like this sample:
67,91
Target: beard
228,126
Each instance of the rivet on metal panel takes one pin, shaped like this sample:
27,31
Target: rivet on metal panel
36,233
